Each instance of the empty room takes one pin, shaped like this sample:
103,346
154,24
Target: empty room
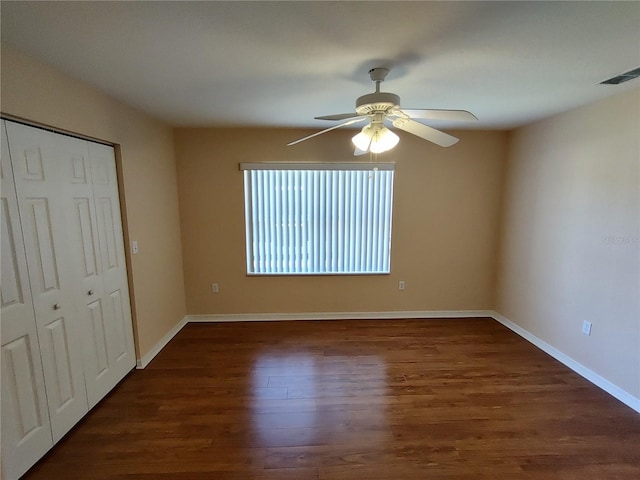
320,240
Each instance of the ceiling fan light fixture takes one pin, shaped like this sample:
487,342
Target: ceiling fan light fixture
383,140
362,140
375,140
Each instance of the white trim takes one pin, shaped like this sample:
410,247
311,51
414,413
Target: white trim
144,361
365,166
270,317
622,395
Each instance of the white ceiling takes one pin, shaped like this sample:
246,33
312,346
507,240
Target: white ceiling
282,63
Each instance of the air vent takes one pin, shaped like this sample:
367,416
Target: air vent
623,77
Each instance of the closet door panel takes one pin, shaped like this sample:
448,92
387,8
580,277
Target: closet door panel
86,237
22,386
38,222
26,431
116,304
36,158
99,375
98,339
120,324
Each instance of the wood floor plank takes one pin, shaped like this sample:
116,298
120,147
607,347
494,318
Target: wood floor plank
454,399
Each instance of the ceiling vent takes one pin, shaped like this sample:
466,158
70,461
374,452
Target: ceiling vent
623,77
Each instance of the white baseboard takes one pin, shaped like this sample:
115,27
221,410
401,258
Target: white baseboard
145,360
271,317
622,395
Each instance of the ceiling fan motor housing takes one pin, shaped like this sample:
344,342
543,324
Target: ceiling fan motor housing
376,102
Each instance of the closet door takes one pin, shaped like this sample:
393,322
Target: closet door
115,298
36,159
88,289
26,432
95,234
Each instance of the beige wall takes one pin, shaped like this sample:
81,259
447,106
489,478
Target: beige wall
445,224
35,92
570,237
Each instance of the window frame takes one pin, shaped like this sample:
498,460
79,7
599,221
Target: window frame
303,166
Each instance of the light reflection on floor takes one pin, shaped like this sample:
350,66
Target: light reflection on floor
299,398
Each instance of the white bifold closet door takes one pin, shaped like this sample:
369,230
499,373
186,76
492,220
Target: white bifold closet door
26,432
103,298
69,217
38,172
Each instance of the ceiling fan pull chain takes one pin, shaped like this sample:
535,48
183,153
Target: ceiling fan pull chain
372,156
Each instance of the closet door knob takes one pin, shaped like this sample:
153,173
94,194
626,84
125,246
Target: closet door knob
90,292
57,306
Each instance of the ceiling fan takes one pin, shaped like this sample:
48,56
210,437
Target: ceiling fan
379,107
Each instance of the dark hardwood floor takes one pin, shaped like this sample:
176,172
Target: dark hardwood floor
342,400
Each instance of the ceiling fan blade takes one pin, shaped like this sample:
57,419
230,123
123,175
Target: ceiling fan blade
343,124
338,116
423,131
452,115
357,152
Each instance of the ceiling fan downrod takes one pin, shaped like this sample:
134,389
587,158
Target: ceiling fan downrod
378,75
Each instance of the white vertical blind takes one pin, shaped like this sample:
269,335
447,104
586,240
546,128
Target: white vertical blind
308,219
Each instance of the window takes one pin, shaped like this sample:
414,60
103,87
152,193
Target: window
318,218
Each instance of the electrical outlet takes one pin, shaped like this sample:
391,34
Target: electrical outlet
215,288
401,285
586,328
